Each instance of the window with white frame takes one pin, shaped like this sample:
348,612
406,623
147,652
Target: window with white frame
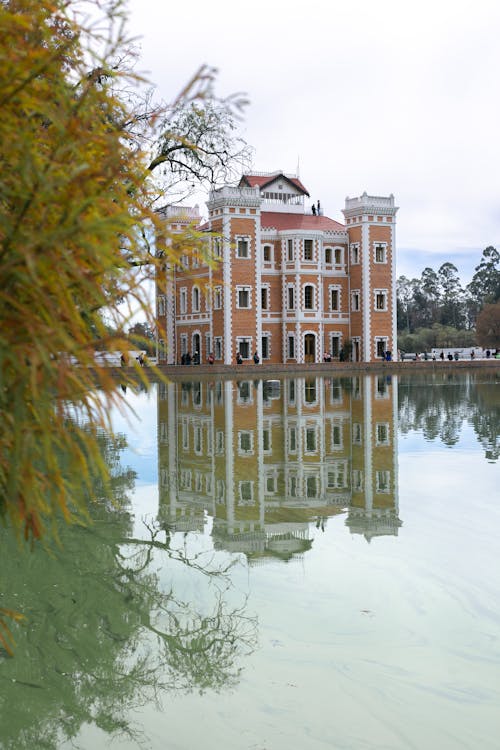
381,346
217,298
185,434
218,347
337,475
220,491
264,297
380,253
196,299
243,297
244,392
218,247
267,254
308,297
271,482
208,343
290,253
328,256
337,435
184,343
208,484
243,347
357,434
198,442
382,482
291,347
311,485
291,392
186,479
382,388
357,480
382,433
183,300
291,297
335,298
292,485
292,440
245,442
338,256
311,439
264,346
198,481
161,305
335,339
355,253
219,393
219,442
266,440
245,493
355,300
308,250
242,247
380,300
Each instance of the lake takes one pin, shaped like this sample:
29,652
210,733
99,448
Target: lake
306,562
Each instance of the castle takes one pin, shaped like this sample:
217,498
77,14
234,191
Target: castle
288,283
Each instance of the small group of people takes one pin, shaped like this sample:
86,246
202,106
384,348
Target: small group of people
239,358
187,359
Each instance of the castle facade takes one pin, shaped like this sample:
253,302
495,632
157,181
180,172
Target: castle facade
288,283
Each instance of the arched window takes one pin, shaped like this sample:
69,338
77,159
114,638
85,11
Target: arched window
309,297
196,299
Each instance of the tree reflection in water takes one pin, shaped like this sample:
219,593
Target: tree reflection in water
104,634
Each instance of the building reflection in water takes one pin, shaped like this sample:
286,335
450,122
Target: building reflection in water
269,460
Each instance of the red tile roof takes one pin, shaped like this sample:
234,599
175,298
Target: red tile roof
279,221
251,180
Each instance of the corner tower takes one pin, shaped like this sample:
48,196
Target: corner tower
371,228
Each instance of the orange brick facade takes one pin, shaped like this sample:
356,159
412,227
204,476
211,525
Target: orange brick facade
292,285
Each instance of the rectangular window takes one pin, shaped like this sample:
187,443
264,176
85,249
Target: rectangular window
328,255
338,256
242,248
291,298
183,301
264,297
292,486
290,250
246,493
355,300
334,299
310,439
217,298
335,345
267,253
356,433
382,433
380,300
292,440
245,442
264,343
383,482
266,440
219,442
243,346
308,249
161,305
184,343
380,254
354,254
243,298
291,347
218,347
217,247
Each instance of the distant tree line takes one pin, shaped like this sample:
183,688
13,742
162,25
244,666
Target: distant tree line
437,311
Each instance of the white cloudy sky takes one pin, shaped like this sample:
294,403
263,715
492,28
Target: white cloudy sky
386,96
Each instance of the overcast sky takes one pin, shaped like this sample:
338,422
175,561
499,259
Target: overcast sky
387,97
